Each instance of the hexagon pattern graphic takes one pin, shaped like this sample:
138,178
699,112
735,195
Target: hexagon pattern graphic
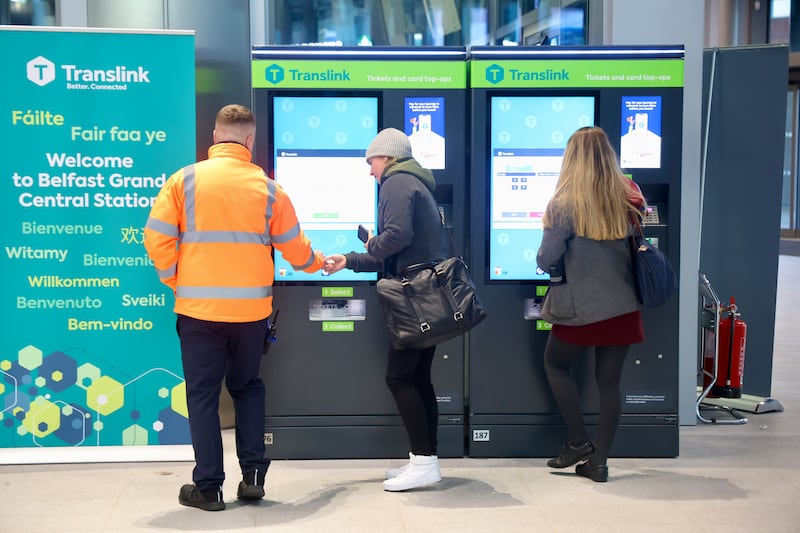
105,395
173,427
178,399
134,435
87,374
76,424
59,371
30,357
43,417
61,400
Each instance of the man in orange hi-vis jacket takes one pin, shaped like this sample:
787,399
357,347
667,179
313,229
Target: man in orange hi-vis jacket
210,235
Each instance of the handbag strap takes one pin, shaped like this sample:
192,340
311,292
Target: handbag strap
439,271
453,246
424,325
638,224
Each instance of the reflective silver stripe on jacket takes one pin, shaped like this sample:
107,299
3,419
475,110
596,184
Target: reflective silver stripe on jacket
162,227
167,272
306,264
227,293
239,237
272,189
288,235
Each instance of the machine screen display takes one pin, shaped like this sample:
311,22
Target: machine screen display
318,148
528,135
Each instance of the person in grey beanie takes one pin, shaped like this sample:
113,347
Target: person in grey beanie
410,231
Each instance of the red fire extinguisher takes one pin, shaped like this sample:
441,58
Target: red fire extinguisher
730,358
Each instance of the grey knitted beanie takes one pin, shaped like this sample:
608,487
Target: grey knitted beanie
389,142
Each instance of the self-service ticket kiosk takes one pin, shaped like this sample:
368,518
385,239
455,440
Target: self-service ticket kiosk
525,104
317,111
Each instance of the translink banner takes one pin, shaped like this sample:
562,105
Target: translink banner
92,124
323,74
588,73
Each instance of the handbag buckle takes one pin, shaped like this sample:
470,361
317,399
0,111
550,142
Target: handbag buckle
458,315
424,327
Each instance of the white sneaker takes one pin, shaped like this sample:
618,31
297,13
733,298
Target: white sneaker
394,472
422,470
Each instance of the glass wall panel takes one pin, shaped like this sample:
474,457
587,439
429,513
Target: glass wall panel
509,11
542,22
789,197
381,22
132,14
27,12
779,21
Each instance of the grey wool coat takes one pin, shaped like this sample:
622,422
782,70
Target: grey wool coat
599,276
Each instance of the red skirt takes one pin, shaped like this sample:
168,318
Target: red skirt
618,330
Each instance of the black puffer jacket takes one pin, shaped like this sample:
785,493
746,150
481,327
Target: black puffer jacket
410,230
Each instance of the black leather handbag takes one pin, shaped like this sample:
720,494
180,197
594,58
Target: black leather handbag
430,303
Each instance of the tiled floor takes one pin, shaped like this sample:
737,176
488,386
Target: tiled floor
727,478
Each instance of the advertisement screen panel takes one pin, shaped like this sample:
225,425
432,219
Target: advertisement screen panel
640,140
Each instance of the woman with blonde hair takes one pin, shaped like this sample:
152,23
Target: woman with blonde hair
592,301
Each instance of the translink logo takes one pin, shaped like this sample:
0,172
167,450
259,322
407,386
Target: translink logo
273,74
495,73
276,74
41,71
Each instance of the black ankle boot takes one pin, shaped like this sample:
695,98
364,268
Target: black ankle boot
251,487
597,473
207,500
570,455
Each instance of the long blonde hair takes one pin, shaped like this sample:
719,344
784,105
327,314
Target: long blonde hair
591,188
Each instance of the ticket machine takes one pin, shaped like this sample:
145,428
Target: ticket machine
525,103
317,110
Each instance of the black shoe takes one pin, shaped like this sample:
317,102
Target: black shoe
252,485
597,473
569,455
207,500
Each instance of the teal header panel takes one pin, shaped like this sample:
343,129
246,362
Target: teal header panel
92,123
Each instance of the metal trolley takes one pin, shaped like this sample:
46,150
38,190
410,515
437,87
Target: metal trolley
710,316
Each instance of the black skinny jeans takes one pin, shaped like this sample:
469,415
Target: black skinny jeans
559,357
408,375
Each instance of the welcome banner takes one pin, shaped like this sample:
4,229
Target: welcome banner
91,125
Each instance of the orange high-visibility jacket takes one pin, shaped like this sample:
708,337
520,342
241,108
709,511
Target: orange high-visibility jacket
210,235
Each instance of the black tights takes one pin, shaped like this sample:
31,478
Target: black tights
558,358
408,375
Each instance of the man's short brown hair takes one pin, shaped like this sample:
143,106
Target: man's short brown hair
235,114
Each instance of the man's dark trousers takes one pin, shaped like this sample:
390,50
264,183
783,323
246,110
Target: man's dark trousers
210,352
